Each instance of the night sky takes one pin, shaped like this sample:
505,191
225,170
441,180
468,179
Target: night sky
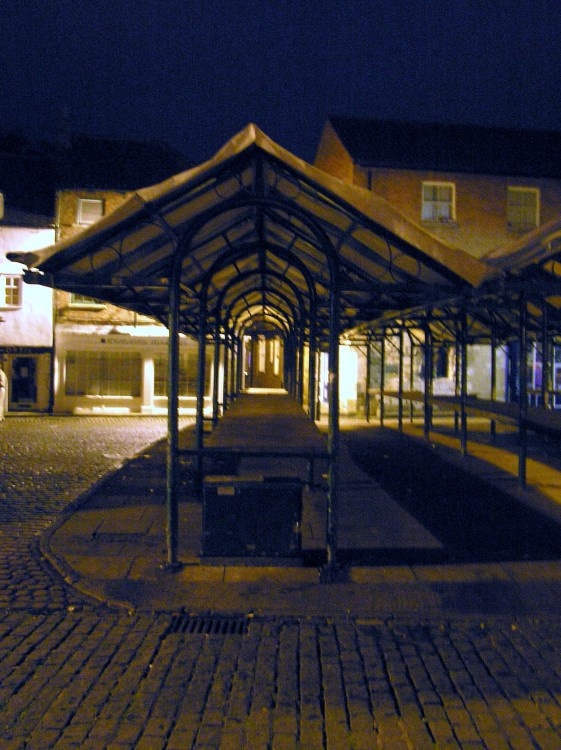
192,73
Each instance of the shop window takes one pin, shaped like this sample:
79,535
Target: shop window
523,209
103,374
89,210
188,366
10,291
438,201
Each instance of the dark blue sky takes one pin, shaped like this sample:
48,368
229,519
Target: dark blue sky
193,73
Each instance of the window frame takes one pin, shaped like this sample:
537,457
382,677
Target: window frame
82,203
102,374
434,218
86,303
16,287
521,226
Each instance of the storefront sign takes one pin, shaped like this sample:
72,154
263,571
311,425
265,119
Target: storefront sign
25,349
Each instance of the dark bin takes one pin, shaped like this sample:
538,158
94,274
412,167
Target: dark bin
252,517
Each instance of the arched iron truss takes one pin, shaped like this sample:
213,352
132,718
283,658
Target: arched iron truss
256,234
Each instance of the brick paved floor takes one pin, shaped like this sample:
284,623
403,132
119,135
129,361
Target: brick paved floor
88,679
78,675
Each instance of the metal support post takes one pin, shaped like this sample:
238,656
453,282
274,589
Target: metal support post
493,377
312,385
427,414
411,374
216,374
400,384
546,385
367,384
382,377
522,389
333,424
201,363
172,460
463,383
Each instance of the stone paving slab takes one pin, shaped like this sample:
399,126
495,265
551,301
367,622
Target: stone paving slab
128,540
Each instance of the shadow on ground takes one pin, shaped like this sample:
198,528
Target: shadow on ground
475,521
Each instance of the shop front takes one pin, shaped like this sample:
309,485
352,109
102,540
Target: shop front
122,371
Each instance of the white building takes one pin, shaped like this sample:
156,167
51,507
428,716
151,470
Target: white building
26,330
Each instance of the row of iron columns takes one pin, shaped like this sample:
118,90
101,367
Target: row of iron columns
232,374
461,345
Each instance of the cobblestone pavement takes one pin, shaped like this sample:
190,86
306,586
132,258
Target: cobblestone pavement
46,463
75,674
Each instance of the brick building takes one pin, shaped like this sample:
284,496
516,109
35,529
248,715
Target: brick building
108,359
475,188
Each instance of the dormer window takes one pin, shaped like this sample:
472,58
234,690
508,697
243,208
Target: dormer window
82,300
89,210
523,209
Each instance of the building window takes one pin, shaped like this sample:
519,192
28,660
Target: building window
188,373
81,300
89,210
438,201
103,374
10,291
523,209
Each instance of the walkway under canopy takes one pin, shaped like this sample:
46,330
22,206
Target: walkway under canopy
257,240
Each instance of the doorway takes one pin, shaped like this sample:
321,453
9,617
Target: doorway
23,385
264,361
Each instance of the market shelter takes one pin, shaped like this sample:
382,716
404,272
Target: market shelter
251,242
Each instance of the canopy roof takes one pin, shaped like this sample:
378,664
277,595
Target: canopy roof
261,237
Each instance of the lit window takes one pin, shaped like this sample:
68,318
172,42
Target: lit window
523,209
438,201
277,355
10,291
262,343
89,210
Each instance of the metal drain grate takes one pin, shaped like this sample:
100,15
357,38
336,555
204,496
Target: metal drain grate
207,625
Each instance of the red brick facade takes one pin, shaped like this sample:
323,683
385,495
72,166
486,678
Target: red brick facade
480,223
